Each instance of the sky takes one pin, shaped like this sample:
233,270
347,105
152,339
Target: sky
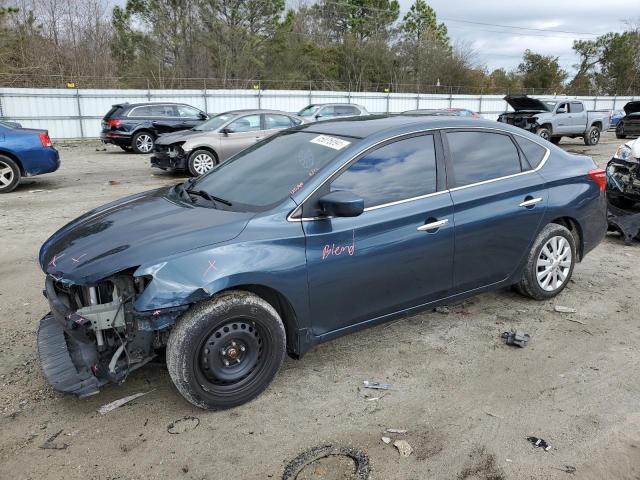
502,47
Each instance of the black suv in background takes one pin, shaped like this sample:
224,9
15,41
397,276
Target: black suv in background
135,126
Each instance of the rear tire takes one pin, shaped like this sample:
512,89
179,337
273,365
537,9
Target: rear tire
550,263
9,174
592,137
620,132
225,351
143,142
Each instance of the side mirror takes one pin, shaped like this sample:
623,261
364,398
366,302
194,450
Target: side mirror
318,115
227,130
203,116
341,204
561,110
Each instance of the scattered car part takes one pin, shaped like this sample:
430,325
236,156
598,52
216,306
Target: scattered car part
518,338
104,409
359,457
540,443
562,309
404,449
51,444
376,385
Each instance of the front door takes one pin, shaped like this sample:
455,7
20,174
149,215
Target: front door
241,133
563,119
395,255
498,203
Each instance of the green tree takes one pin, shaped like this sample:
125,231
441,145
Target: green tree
420,22
541,72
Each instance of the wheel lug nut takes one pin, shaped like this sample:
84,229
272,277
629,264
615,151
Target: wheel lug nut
233,344
226,363
238,360
242,349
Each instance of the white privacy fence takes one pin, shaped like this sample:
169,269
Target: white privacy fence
76,113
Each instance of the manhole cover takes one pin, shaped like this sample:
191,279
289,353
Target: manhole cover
328,462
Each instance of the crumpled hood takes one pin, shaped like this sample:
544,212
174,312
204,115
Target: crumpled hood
523,103
140,229
181,136
632,107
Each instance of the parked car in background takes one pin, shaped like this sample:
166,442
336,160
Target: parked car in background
10,124
629,125
312,233
201,148
24,152
614,117
326,111
554,119
456,112
623,175
135,126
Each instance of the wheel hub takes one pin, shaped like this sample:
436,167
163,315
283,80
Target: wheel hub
553,264
230,353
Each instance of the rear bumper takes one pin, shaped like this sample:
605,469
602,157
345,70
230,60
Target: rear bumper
40,161
595,225
115,138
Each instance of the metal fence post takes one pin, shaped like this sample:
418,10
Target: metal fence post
450,97
309,92
148,91
388,98
204,96
79,112
418,102
259,97
480,104
614,101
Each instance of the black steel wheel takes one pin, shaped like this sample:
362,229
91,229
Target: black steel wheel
224,352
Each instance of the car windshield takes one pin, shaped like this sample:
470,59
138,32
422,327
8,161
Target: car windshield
215,122
310,110
266,173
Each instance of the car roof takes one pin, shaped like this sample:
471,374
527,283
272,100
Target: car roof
250,110
333,104
130,105
363,127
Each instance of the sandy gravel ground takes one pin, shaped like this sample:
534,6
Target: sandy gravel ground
467,401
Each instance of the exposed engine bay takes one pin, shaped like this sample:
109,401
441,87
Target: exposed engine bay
94,336
623,191
525,120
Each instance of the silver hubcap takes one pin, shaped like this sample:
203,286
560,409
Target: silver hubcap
6,174
202,163
554,264
544,134
144,143
595,135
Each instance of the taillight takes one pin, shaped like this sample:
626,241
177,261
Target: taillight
44,139
114,123
598,175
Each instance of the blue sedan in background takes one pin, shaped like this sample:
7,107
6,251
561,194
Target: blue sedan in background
313,233
24,152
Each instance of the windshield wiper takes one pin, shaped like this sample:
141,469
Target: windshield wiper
207,196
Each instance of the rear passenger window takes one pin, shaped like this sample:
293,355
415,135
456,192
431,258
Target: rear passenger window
277,121
480,156
576,107
140,112
532,151
396,171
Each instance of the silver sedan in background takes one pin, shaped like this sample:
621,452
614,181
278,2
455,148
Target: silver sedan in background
198,150
326,111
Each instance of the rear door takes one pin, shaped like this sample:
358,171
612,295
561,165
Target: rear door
499,201
274,122
165,118
386,259
578,117
189,116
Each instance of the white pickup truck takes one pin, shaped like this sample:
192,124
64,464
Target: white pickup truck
554,119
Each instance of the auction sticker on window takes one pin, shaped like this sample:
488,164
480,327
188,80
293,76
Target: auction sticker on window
331,142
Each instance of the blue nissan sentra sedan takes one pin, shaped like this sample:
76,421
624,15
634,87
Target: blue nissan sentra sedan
24,152
316,232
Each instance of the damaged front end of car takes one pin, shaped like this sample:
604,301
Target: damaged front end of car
623,191
93,334
524,120
171,156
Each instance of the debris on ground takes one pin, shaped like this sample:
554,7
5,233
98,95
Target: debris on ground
540,443
112,182
566,469
577,321
403,447
38,191
386,440
561,309
183,425
494,415
294,468
376,385
517,338
443,309
51,444
118,403
396,430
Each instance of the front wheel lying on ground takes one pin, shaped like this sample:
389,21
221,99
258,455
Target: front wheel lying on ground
549,264
225,351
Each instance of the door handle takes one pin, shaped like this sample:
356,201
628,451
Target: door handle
531,202
433,225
